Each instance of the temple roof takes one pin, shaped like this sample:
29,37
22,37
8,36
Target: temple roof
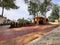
40,17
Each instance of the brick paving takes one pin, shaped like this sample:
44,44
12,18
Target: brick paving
20,36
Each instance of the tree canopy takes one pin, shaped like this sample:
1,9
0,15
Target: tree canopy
55,13
8,4
33,8
45,6
39,6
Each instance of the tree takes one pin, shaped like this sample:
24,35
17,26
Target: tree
9,21
41,6
33,8
8,4
44,7
51,19
34,1
55,13
22,21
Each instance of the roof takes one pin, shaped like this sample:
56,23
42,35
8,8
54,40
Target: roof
39,17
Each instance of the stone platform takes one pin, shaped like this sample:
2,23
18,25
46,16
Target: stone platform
51,38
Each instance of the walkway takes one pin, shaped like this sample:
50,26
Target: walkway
23,35
8,34
51,38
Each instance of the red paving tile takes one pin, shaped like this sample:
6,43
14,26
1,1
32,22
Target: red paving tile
9,35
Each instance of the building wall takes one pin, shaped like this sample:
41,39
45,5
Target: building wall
2,20
38,19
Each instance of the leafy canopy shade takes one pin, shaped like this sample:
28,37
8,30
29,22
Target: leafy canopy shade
54,14
45,6
8,4
33,8
41,6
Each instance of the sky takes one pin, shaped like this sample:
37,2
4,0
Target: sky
22,12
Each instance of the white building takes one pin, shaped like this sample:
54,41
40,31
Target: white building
2,20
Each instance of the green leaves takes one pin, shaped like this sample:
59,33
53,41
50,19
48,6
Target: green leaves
36,6
44,7
55,13
33,8
22,20
9,4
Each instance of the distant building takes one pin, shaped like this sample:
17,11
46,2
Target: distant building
40,20
2,19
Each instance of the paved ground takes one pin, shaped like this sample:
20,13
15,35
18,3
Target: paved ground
23,35
51,38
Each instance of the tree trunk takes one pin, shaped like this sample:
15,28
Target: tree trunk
2,10
34,18
37,14
44,14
